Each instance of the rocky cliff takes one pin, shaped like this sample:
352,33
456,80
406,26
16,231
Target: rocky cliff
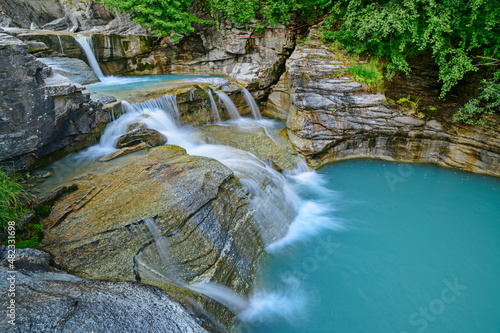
42,112
331,117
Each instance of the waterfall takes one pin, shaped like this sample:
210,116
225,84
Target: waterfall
272,205
217,292
251,102
231,108
88,47
60,44
191,95
215,110
167,103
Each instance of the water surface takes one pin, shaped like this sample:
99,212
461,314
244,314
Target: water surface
385,247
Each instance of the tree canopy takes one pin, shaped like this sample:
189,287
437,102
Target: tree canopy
461,35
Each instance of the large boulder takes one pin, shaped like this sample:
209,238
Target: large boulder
49,300
149,136
42,112
194,207
331,117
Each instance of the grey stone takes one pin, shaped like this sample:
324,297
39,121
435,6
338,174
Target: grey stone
43,111
49,300
57,25
150,136
74,69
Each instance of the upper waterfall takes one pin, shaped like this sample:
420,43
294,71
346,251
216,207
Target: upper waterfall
88,47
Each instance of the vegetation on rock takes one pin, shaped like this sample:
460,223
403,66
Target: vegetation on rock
12,209
462,36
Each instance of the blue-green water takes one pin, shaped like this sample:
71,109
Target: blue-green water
384,247
126,87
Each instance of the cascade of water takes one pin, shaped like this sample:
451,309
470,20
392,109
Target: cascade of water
219,293
215,110
191,95
88,47
251,102
60,44
231,108
167,103
273,203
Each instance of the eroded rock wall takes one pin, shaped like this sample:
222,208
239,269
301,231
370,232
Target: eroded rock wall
331,117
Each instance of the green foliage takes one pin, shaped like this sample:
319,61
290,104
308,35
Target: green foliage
163,17
274,11
11,193
460,35
369,73
487,102
408,103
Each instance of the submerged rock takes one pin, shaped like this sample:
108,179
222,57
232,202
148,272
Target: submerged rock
51,300
149,136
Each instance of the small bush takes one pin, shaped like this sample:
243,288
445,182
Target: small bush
369,73
408,103
487,102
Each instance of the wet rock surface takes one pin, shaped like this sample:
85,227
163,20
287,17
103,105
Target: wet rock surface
150,137
202,212
74,69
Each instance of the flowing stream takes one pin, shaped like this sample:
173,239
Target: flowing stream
374,246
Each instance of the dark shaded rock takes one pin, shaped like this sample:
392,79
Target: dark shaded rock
41,112
48,300
149,136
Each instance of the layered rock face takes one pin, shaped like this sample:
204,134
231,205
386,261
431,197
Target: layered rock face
42,112
49,300
330,117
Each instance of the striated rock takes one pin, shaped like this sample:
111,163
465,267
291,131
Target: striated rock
142,135
74,69
57,25
41,112
51,300
331,118
210,227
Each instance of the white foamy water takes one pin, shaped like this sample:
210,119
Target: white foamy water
273,196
